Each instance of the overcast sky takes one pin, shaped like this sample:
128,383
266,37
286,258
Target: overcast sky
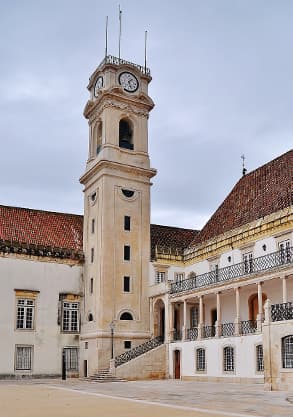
222,85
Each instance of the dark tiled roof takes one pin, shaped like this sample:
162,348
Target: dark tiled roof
170,237
264,191
41,228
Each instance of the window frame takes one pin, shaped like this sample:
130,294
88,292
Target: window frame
70,319
197,360
284,353
31,349
25,308
127,253
160,276
71,359
129,284
229,371
127,223
259,366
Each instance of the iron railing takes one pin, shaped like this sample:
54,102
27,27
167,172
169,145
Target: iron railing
262,263
110,59
227,329
192,334
138,350
280,312
177,335
248,327
208,331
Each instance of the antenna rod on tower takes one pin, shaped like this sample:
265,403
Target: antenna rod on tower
244,170
106,39
120,27
145,50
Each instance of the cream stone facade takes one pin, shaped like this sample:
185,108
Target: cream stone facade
121,298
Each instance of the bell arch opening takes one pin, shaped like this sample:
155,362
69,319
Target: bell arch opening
126,134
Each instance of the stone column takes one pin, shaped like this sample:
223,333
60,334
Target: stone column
284,289
260,309
184,327
200,326
237,318
152,317
218,322
267,308
167,320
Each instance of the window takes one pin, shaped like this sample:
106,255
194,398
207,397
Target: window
126,284
92,255
86,345
228,359
126,253
194,315
91,285
23,358
25,313
179,277
70,319
127,344
126,316
127,193
287,351
126,222
71,358
125,135
285,252
215,271
248,262
90,317
200,360
259,358
160,277
93,225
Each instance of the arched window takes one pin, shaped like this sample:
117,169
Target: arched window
125,134
126,316
287,351
200,359
99,137
229,359
90,317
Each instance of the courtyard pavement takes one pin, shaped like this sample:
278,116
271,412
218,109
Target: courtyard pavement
167,398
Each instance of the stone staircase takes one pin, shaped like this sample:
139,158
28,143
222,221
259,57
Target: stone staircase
104,375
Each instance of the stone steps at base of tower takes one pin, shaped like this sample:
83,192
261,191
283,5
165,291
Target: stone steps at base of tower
104,375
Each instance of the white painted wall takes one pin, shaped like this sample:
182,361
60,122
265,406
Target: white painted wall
50,279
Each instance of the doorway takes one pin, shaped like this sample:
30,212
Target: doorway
85,368
177,365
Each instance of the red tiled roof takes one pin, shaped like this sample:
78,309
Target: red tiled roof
171,237
39,227
257,194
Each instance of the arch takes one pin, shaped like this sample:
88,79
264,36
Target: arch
253,305
159,319
287,351
90,317
126,134
126,316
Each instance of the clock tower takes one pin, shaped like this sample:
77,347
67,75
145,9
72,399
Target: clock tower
116,213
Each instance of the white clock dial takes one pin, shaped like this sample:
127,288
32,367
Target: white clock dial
99,84
128,81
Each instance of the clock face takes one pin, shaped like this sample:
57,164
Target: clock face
99,84
128,81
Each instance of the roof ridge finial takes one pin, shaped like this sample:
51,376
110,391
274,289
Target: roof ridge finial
244,170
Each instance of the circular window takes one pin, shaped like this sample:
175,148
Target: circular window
127,193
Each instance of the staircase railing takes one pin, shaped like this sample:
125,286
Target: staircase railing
138,350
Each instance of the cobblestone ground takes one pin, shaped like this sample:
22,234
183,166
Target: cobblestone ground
52,398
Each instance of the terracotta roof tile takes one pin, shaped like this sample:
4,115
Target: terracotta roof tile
261,192
39,227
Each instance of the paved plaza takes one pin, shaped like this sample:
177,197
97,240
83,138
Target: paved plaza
74,398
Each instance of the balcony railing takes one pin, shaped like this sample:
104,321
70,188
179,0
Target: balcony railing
248,327
280,312
208,331
192,334
263,263
227,329
177,335
110,59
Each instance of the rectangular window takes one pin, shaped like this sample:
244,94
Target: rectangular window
126,284
93,225
92,255
228,359
71,358
126,222
23,358
259,358
200,360
194,315
127,344
160,277
248,262
86,345
91,285
179,277
25,313
285,251
70,319
126,253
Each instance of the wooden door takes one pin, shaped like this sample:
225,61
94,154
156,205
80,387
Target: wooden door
177,370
